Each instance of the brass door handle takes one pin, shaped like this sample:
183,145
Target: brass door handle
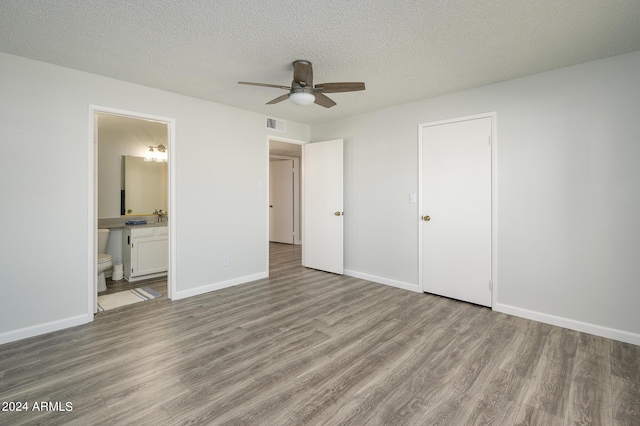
338,213
426,218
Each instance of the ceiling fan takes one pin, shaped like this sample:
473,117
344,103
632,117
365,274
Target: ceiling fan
302,90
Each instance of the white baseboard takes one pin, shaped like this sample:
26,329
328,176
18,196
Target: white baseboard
36,330
381,280
218,286
598,330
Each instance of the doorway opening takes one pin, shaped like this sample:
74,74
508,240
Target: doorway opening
285,194
119,141
321,203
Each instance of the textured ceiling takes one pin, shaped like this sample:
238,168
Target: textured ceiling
404,50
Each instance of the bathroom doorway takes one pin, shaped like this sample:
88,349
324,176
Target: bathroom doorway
120,141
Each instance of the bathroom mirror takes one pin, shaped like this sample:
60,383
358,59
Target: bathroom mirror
143,186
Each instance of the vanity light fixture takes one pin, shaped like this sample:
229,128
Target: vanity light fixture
160,155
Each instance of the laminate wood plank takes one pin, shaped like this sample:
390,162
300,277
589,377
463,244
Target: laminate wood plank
234,378
133,373
435,312
272,409
531,416
338,315
484,361
625,401
625,361
435,379
239,341
590,393
377,361
248,360
358,334
372,398
491,393
421,378
123,362
594,346
549,389
498,403
143,414
530,343
212,402
329,385
156,390
340,381
423,338
81,408
451,408
288,313
307,347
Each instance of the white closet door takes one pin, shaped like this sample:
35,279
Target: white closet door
456,198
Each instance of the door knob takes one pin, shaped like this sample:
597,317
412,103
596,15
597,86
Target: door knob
338,213
271,206
426,218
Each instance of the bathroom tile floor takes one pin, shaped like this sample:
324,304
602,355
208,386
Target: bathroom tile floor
158,284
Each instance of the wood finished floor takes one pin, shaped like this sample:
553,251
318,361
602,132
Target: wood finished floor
305,347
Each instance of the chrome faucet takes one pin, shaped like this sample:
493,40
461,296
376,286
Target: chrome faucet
160,215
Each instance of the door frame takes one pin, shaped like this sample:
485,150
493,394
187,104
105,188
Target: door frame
300,238
494,196
92,217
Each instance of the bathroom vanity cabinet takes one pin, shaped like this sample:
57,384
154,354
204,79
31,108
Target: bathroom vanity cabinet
145,252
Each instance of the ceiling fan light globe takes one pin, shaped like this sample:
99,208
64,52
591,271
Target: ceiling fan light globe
302,98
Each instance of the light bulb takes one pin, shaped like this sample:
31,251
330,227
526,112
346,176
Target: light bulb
302,98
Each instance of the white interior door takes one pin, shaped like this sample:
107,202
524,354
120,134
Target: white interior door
281,201
456,198
322,211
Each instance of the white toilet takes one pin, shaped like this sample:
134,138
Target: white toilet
104,259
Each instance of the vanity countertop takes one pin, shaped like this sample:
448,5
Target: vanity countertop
146,225
118,224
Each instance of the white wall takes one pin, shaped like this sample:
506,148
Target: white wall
568,237
221,155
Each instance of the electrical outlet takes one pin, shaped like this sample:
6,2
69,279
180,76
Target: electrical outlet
225,260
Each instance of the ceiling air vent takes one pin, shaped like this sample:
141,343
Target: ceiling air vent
276,124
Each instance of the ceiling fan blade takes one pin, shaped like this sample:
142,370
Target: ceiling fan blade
324,101
265,85
340,87
278,99
303,73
